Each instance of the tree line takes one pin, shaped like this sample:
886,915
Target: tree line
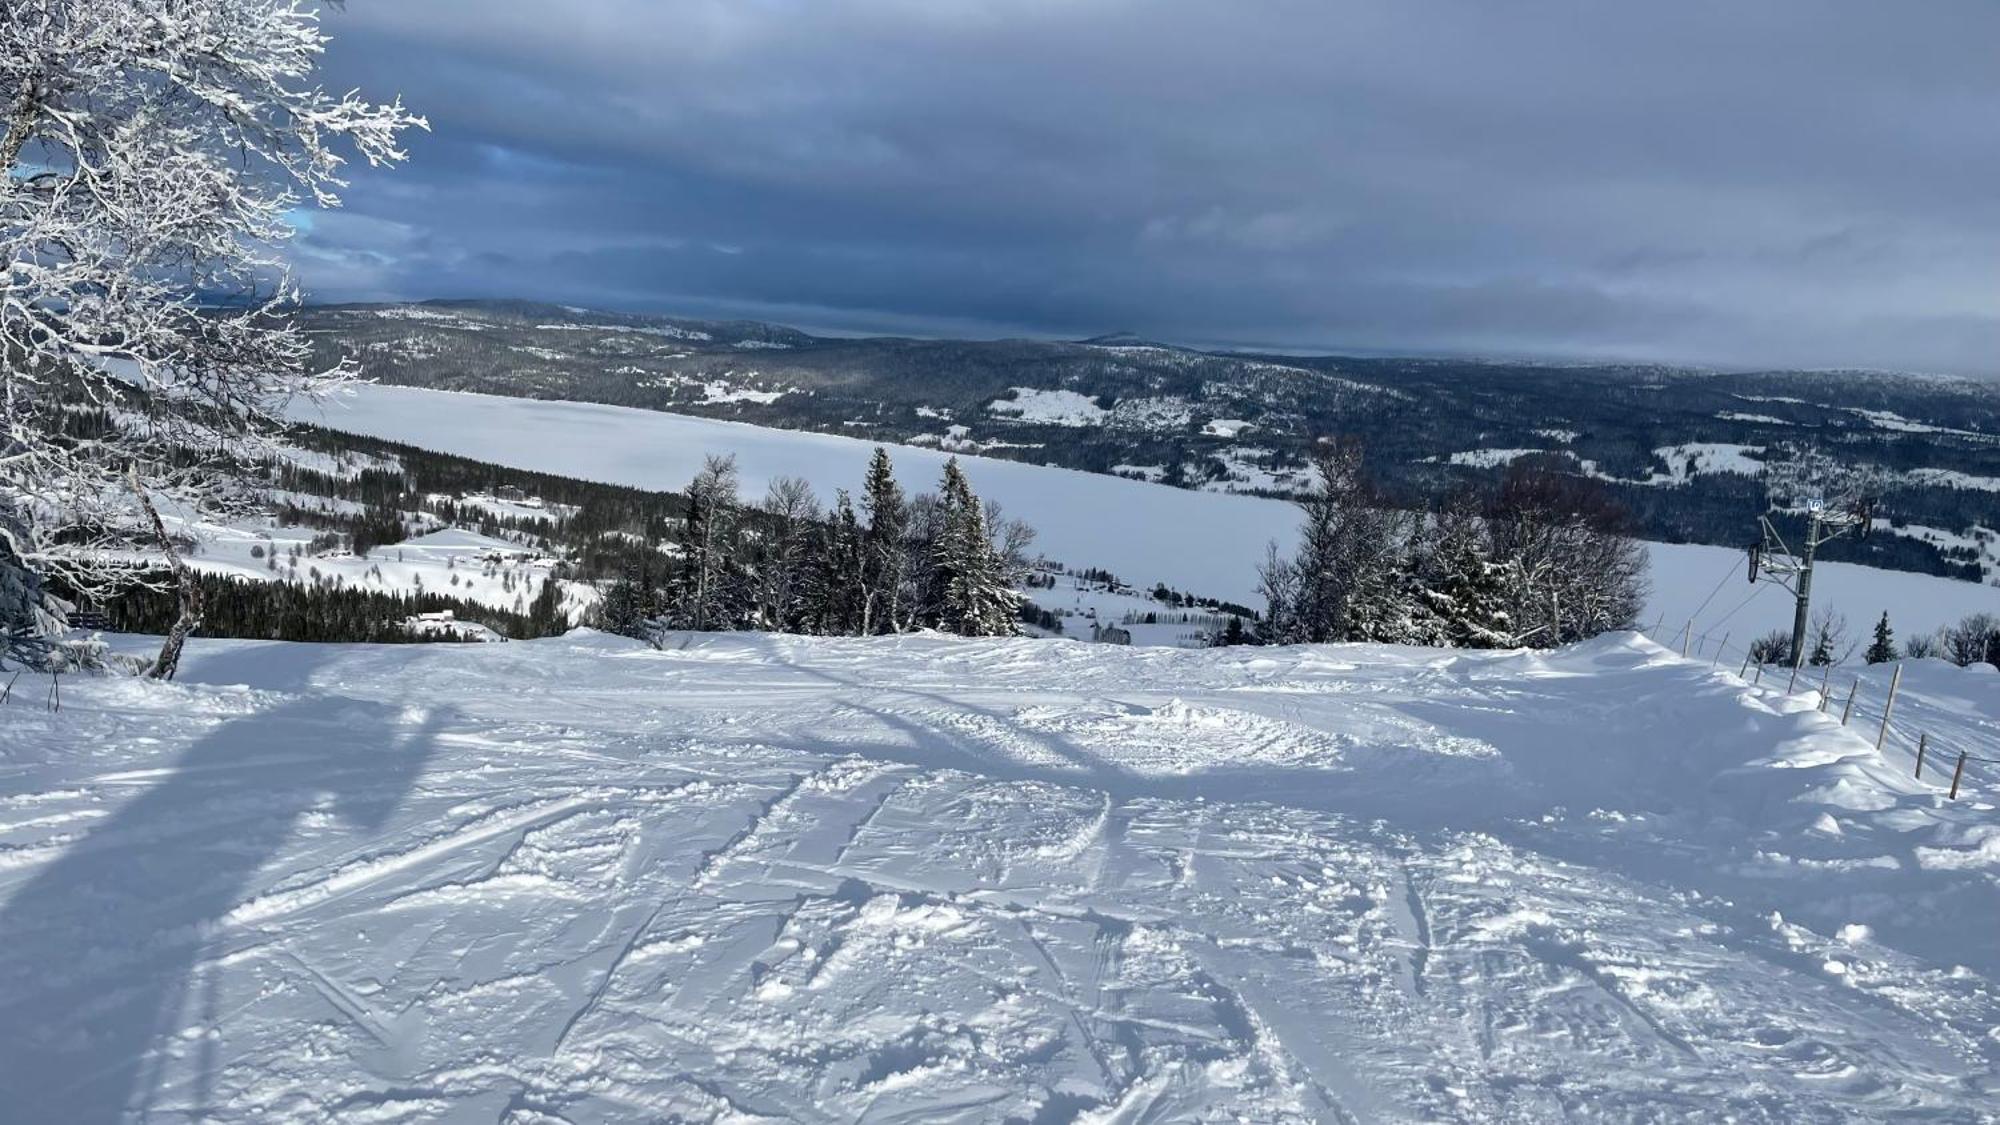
294,611
1541,560
1973,639
787,563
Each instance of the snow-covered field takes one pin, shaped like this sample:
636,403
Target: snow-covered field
1203,542
448,560
921,879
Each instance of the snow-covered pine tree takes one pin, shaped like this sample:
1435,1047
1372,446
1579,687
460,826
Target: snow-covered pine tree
1461,589
837,576
152,156
1882,649
974,596
1384,603
882,546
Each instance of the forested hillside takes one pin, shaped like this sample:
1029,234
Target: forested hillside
1680,448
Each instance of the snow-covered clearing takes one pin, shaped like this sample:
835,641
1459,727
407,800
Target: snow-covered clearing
1207,543
922,879
451,561
1054,408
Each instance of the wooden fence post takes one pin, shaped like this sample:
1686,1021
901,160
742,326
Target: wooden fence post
1889,708
1717,659
1760,675
1851,693
1923,743
1745,671
1956,774
1826,689
1687,634
1793,684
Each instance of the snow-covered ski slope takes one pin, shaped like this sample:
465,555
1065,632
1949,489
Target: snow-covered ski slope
911,879
1203,542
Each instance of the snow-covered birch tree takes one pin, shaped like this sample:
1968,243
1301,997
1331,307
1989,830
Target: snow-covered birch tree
152,155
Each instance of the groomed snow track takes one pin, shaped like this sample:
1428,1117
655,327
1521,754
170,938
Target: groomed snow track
922,879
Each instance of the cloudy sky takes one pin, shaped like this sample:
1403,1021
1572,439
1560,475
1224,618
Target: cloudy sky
1776,182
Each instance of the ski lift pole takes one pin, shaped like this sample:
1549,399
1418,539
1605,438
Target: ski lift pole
1802,611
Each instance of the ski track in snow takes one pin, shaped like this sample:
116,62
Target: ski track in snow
923,879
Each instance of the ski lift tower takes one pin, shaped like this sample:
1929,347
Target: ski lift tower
1772,559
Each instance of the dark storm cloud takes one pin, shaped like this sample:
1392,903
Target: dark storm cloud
1772,183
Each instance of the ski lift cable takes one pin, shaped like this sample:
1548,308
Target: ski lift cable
1727,571
1739,606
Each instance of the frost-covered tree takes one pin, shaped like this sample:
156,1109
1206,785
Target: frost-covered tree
1882,649
705,586
1575,572
1344,582
882,546
974,597
791,520
1278,582
1460,591
1331,547
152,152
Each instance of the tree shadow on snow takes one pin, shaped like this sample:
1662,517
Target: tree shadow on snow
99,951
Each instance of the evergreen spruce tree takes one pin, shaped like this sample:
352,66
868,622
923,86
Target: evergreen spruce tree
973,595
837,584
1461,588
882,547
545,614
627,608
1882,649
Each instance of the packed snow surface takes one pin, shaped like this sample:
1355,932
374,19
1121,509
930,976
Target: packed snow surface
1207,543
753,877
